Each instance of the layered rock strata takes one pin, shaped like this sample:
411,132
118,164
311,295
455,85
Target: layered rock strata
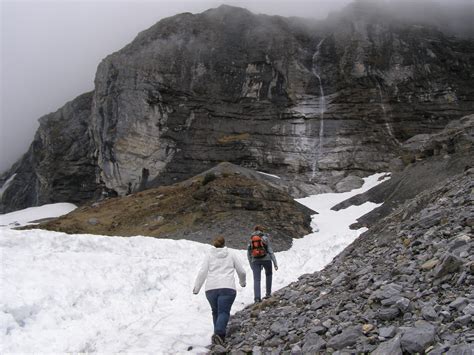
180,98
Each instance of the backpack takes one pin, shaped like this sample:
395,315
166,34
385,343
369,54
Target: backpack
257,246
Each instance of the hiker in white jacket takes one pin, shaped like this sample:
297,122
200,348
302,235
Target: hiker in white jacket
218,268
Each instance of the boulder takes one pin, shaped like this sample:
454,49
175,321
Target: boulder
392,347
449,264
348,337
417,339
312,343
387,332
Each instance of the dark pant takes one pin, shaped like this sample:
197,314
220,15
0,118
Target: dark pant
257,271
221,300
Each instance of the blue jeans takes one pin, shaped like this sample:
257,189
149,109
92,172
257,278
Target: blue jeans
221,300
257,271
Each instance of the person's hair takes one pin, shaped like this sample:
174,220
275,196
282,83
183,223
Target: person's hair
259,228
219,242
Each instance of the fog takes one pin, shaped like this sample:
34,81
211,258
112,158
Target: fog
50,50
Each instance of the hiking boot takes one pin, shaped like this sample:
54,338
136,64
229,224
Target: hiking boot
266,297
217,339
257,300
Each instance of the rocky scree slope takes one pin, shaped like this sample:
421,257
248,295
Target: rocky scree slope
313,102
227,200
404,286
425,160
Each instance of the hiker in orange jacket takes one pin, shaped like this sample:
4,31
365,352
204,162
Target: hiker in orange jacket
260,255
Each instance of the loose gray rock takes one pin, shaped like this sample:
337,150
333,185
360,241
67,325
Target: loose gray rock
296,350
416,340
469,309
280,326
403,304
387,291
318,304
387,332
430,264
339,280
449,264
463,320
458,242
430,219
327,323
347,338
313,343
388,313
429,313
319,329
392,347
459,303
461,349
219,349
93,221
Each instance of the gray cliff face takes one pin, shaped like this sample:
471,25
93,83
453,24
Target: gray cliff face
317,102
58,166
314,103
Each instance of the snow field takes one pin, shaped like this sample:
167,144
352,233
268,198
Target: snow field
85,293
31,214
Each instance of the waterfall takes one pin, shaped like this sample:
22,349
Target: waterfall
386,119
322,107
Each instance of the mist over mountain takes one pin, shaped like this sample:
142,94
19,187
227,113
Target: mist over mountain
453,18
448,17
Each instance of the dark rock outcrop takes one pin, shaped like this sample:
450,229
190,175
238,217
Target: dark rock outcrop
227,200
426,160
312,102
59,165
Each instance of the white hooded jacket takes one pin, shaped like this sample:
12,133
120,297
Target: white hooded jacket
218,268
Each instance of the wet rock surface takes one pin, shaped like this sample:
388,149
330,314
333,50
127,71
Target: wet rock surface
387,302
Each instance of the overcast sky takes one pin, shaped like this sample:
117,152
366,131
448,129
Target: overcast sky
50,50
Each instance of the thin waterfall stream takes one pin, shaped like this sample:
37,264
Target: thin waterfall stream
322,108
385,117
